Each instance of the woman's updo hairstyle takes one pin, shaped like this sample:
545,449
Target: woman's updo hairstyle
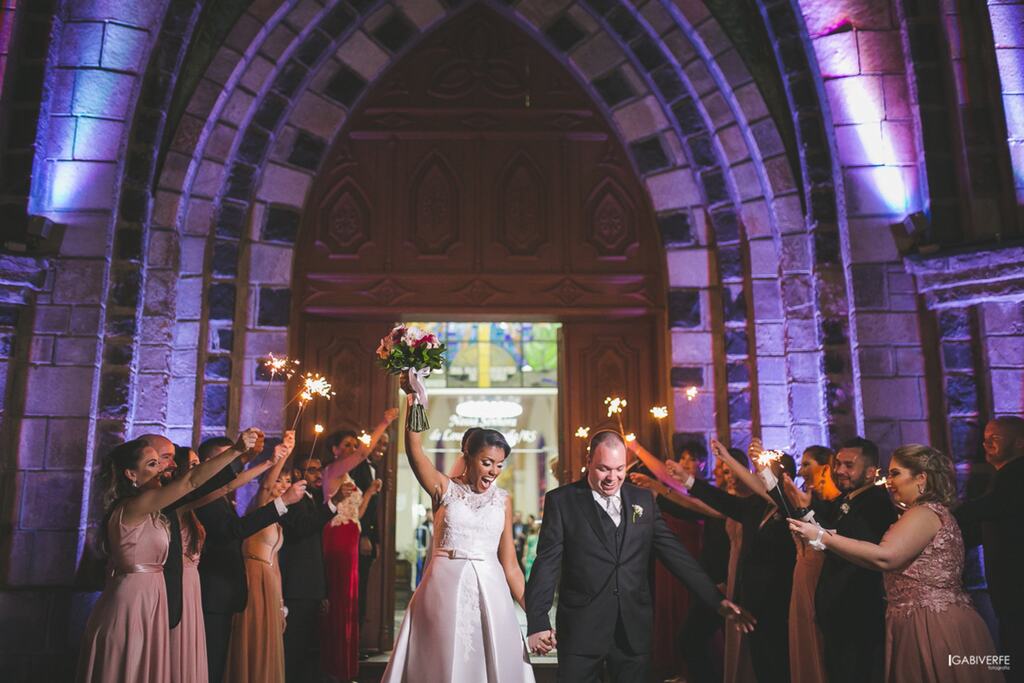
940,479
117,486
121,458
486,438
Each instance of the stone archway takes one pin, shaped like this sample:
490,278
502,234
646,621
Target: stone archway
677,94
476,180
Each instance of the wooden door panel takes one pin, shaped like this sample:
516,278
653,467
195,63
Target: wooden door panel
601,359
522,205
433,200
608,213
348,213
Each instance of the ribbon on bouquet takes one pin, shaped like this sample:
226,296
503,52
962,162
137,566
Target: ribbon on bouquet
418,411
416,378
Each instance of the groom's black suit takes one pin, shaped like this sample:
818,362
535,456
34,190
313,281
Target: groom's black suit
604,604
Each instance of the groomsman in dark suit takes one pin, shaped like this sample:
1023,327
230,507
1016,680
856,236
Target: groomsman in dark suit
302,573
222,567
364,475
850,600
996,521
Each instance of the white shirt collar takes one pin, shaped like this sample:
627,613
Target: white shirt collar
601,498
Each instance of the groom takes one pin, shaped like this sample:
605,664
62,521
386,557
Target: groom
599,534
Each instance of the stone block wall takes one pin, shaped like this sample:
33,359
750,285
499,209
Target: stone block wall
860,52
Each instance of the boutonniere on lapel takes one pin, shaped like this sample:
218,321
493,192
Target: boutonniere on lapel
845,508
638,512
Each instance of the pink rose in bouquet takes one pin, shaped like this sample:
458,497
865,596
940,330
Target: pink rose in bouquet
416,352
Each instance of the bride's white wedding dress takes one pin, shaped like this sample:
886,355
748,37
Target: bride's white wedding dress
461,623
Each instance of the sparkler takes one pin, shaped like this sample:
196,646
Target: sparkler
764,460
768,457
313,385
881,481
630,438
277,365
691,393
660,413
318,429
584,433
615,406
365,439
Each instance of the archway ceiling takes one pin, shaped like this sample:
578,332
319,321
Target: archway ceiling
739,19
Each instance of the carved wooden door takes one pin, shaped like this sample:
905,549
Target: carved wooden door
609,358
343,351
478,181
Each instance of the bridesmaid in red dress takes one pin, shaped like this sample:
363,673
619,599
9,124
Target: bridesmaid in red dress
671,599
929,616
126,638
340,643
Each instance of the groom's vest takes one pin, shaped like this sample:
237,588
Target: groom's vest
611,532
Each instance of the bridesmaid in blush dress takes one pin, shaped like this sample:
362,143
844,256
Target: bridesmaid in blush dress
126,639
806,649
188,638
929,615
256,650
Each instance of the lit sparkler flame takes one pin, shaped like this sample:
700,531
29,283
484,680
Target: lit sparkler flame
313,385
881,481
280,365
583,432
318,429
630,437
768,457
615,405
691,393
365,439
659,412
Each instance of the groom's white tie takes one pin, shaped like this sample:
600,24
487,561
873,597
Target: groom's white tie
613,506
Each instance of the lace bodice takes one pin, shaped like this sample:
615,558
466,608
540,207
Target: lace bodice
471,522
348,508
933,579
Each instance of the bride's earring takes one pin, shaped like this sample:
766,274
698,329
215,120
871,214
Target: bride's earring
920,489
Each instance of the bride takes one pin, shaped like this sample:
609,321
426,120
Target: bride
461,624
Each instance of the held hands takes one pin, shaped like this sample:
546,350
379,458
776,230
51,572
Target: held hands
542,642
390,415
289,440
754,451
374,487
676,471
345,490
736,614
249,441
806,530
294,493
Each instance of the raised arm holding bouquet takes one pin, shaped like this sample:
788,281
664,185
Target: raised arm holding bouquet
413,353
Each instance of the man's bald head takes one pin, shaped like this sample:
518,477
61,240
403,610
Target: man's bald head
1004,440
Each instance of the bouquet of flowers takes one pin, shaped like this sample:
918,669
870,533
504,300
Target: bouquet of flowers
415,352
